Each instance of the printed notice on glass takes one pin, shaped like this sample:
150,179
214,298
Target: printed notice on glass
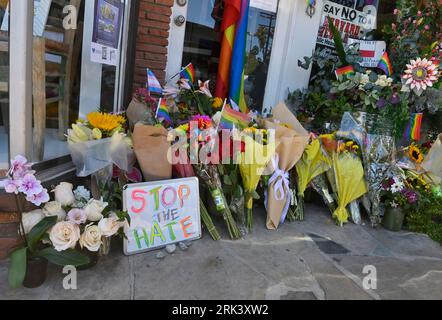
106,35
267,5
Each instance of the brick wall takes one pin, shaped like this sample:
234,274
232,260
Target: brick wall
152,39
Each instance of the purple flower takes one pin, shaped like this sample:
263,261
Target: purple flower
39,199
410,195
381,103
30,186
10,185
77,216
19,167
395,99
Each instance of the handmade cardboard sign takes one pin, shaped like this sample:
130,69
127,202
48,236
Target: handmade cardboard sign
162,213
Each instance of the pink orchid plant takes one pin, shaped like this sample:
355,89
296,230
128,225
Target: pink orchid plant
21,180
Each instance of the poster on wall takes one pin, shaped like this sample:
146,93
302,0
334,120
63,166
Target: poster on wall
370,51
106,34
161,213
267,5
351,23
41,12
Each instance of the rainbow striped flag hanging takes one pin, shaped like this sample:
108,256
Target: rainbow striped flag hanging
153,85
344,71
162,114
231,118
232,10
413,131
188,73
239,58
385,64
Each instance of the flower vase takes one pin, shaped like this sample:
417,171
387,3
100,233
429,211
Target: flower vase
36,272
93,257
393,219
105,246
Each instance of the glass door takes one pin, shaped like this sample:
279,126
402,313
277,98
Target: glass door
201,44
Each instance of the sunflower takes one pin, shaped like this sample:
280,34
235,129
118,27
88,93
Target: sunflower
104,121
415,154
217,103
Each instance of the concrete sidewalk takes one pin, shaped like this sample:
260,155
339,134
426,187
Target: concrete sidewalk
313,259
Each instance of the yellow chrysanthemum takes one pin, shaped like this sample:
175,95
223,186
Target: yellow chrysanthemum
105,121
217,103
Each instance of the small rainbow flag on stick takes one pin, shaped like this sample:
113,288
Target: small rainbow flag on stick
162,114
344,71
231,118
413,131
385,64
188,73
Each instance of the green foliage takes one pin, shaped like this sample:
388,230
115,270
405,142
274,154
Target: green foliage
68,257
17,269
427,217
339,45
39,231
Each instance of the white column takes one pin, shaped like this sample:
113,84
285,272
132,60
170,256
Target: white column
90,89
20,77
295,38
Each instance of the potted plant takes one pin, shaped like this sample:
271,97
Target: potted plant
398,199
29,261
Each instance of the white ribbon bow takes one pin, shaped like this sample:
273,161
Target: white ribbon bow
282,180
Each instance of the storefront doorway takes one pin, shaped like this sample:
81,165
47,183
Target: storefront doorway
194,38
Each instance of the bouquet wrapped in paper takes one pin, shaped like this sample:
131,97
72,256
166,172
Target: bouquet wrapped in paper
253,163
350,183
290,147
313,162
151,147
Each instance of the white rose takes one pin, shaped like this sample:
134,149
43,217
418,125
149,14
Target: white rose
54,208
31,219
64,194
91,238
109,226
94,210
64,235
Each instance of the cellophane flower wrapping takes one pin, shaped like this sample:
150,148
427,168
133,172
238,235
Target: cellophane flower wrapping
208,173
90,156
350,183
313,162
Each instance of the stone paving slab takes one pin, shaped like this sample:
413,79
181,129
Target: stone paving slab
314,259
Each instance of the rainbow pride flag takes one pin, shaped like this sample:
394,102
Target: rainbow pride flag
162,114
188,73
239,58
231,118
413,131
232,10
385,64
344,71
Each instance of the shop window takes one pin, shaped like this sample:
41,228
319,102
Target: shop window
67,84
